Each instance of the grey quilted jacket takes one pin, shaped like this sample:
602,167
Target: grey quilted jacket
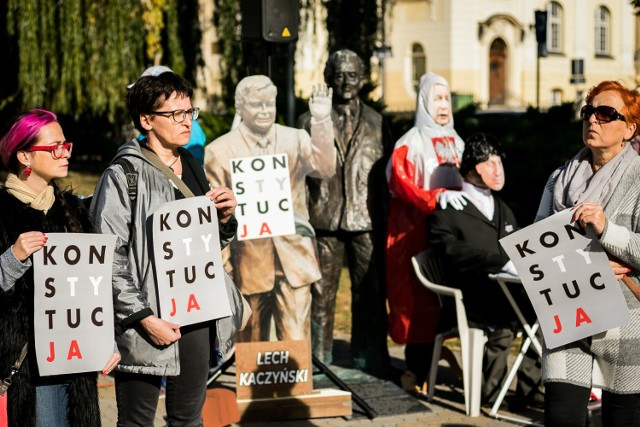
133,278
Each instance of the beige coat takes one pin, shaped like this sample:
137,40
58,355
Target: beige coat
254,261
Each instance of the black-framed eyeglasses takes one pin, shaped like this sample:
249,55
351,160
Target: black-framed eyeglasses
604,113
57,151
179,116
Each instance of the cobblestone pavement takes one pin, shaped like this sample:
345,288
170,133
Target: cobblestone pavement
447,408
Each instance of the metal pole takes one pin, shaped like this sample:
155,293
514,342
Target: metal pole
383,34
368,410
381,66
291,101
538,82
268,53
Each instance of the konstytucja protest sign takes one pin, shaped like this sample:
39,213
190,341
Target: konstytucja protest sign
73,303
568,279
263,189
187,262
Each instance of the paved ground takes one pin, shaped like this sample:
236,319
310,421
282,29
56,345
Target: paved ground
447,408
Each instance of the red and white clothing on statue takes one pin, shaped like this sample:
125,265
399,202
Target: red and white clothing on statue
424,163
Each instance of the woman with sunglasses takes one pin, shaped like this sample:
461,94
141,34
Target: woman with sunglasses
35,152
600,184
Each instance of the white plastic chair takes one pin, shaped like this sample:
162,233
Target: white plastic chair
472,340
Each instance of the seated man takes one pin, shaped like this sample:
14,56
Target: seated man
467,242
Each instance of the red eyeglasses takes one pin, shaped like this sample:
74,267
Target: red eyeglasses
604,113
57,151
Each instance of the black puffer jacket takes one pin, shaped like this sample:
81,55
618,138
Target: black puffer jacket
16,314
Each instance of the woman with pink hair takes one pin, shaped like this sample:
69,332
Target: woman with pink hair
35,152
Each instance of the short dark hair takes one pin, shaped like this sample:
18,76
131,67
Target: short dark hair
149,92
477,149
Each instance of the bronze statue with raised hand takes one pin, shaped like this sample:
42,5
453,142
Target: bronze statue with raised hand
346,211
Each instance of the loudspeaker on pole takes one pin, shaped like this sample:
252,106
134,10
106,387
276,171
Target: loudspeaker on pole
274,21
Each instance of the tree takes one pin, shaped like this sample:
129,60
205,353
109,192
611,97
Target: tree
227,20
153,18
353,25
76,57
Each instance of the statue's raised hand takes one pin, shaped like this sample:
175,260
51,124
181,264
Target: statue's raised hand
320,101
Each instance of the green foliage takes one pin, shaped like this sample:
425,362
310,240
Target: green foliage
184,38
75,56
153,18
228,22
214,125
176,56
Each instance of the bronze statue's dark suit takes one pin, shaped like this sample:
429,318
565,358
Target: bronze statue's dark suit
346,211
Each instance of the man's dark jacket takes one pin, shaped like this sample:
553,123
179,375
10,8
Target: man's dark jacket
352,199
468,244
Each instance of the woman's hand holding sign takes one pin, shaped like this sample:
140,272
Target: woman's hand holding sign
111,364
28,243
590,213
619,269
224,200
160,331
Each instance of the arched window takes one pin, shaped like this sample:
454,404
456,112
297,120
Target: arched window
603,28
554,27
418,64
498,56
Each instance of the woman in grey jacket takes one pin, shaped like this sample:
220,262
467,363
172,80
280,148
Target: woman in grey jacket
601,184
160,107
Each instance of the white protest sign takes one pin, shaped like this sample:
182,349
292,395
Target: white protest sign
567,276
73,303
262,187
187,261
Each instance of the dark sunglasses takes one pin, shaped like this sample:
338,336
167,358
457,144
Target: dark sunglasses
604,113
